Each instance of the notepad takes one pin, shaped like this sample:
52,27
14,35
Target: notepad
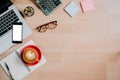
17,68
71,8
87,5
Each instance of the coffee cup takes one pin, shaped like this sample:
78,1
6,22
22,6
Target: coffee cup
31,55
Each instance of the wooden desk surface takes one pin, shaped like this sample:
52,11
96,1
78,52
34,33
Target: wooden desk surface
84,47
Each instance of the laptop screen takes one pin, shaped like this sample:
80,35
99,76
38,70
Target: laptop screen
4,3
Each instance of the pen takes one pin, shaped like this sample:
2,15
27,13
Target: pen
9,71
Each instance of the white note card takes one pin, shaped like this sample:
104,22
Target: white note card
71,8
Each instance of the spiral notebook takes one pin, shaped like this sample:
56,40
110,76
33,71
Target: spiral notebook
17,68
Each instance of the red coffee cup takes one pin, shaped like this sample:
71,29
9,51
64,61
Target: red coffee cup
30,55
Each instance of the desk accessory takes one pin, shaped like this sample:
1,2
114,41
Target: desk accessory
18,69
17,32
8,69
87,5
29,11
31,55
48,6
51,25
71,8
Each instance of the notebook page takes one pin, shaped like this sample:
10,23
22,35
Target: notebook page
17,69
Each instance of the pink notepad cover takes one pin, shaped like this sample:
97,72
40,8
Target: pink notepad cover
87,5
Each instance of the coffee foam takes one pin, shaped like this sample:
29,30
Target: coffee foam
30,55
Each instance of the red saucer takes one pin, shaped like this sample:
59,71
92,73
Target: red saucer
36,49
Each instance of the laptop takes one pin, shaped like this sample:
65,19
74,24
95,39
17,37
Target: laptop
8,15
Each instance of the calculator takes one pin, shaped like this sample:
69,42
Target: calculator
48,6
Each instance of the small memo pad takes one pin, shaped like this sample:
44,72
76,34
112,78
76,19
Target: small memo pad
71,8
87,5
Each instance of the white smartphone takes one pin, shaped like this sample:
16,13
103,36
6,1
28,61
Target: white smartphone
17,33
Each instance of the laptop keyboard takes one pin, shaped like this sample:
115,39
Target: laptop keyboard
48,5
7,20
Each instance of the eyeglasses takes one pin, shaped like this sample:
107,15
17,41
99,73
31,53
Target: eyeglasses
44,27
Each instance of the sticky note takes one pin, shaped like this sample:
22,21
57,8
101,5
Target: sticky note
71,8
87,5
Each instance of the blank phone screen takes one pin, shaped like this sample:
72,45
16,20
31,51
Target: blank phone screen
17,32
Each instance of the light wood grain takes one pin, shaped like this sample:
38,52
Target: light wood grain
84,47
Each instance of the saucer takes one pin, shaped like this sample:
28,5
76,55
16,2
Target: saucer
37,51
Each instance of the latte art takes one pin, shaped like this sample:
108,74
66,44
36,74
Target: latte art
29,56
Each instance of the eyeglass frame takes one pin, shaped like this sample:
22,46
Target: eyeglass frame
46,26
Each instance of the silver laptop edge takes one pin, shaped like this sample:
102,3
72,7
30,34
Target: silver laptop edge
6,39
